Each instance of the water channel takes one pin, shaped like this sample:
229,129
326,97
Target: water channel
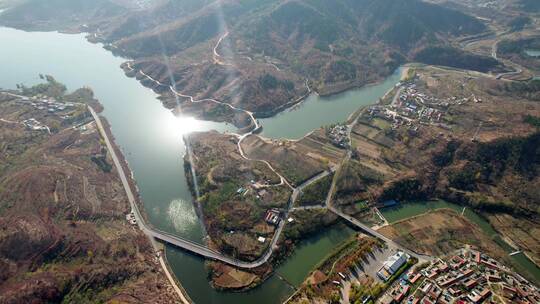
150,137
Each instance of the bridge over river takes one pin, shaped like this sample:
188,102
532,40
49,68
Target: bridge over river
202,250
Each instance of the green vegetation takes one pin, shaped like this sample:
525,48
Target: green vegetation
492,163
51,88
445,157
530,5
308,22
519,22
532,120
520,154
456,58
213,199
341,70
355,177
307,222
315,194
101,162
518,46
403,190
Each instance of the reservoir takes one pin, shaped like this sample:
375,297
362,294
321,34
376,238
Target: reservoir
151,138
317,111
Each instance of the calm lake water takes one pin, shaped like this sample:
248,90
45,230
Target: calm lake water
317,111
150,137
532,53
519,261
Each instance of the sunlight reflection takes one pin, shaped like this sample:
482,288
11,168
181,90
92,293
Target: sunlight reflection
182,125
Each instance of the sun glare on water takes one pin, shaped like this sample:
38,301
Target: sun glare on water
180,125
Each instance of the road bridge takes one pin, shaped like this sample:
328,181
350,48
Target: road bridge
206,252
177,241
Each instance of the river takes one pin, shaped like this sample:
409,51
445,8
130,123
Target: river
316,111
519,261
150,137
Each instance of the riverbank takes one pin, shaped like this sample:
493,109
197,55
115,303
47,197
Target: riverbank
134,198
74,202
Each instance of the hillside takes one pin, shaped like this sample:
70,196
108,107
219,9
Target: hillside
333,46
64,237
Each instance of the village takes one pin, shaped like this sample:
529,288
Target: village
44,105
412,108
339,136
466,276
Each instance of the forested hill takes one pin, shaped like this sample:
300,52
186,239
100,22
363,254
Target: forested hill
335,45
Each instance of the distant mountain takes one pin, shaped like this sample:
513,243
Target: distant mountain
59,14
397,23
335,45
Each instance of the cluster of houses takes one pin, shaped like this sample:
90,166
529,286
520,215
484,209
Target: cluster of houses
130,217
42,103
34,125
412,107
273,216
466,277
47,103
257,187
339,136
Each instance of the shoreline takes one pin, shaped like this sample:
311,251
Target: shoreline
105,127
141,77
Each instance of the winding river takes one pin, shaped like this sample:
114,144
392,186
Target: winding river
150,137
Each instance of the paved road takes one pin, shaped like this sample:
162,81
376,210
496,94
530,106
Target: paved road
298,190
131,199
211,254
161,235
518,69
185,243
353,220
378,235
312,207
396,97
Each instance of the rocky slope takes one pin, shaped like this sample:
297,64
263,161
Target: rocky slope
264,55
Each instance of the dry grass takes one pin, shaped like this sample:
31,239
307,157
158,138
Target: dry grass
438,232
